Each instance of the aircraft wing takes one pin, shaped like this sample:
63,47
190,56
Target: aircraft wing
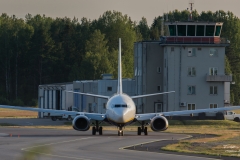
91,116
88,94
149,116
154,94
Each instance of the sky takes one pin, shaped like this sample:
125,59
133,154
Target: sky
92,9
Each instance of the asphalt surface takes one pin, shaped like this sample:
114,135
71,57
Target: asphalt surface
70,144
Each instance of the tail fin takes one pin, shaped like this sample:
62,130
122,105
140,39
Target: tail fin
119,89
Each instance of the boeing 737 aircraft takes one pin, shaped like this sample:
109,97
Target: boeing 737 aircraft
120,111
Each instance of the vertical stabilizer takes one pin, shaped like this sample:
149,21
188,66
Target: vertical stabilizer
119,90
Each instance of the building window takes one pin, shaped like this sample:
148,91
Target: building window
210,30
109,88
104,105
200,30
218,30
172,30
213,71
158,88
213,52
213,89
191,71
181,30
191,106
191,30
213,106
158,107
90,109
191,90
159,70
191,52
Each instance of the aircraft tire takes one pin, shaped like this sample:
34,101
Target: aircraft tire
54,118
100,130
69,118
120,133
145,131
139,131
94,130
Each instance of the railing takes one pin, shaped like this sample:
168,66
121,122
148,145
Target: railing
219,78
195,40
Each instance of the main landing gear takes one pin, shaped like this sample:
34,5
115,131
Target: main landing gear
142,129
97,129
120,131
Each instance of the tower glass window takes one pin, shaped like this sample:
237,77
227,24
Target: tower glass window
218,30
181,30
210,30
191,30
172,30
200,30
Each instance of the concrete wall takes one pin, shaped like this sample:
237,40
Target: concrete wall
178,79
100,87
174,61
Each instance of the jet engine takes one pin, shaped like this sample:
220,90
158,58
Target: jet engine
159,123
81,123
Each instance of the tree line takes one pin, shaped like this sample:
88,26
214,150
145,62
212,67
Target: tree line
44,50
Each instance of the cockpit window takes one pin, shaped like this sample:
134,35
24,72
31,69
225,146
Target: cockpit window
120,105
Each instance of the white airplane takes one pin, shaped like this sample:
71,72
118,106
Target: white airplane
120,111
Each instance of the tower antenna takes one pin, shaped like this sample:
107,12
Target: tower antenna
191,4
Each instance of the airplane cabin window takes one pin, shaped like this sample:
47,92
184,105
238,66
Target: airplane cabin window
120,105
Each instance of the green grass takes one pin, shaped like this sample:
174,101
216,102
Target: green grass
226,141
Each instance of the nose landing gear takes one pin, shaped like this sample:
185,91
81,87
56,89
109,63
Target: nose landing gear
120,131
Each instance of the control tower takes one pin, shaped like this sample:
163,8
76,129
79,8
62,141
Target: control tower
190,60
194,32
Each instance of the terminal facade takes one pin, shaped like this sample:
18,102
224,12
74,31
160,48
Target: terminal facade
190,60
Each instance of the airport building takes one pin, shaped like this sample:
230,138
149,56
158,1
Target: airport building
105,86
189,60
54,96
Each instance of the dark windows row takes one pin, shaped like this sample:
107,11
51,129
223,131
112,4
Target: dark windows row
194,30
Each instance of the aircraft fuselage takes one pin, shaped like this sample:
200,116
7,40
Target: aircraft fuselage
120,110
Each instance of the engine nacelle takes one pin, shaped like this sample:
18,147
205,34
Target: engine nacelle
159,123
81,123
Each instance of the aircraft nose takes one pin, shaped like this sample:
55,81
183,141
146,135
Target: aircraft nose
120,112
120,115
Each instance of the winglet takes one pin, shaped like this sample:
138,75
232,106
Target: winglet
119,90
